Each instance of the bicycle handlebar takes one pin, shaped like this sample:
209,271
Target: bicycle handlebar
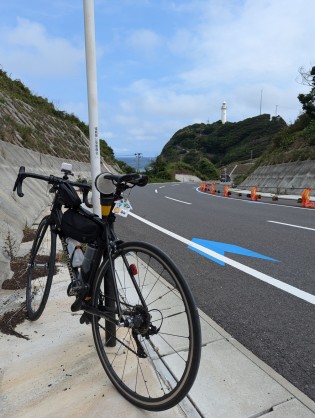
122,182
51,180
136,179
133,178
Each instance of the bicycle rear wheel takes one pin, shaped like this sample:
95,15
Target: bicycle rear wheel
40,269
161,327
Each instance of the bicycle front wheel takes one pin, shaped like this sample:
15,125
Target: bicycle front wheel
40,269
156,352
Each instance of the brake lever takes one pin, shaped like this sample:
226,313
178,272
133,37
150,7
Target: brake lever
19,181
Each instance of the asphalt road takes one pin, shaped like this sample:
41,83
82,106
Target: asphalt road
273,319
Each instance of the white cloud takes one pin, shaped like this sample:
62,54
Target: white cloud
264,39
31,47
261,43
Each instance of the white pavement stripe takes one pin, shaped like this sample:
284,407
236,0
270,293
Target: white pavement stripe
252,272
294,226
186,203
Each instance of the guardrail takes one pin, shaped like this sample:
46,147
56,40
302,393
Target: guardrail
277,190
255,193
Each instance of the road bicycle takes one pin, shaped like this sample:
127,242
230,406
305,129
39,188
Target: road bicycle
141,310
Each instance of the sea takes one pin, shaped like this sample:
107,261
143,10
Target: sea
132,161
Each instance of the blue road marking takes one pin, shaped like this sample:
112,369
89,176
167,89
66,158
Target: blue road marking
221,248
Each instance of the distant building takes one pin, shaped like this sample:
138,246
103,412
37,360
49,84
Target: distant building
223,112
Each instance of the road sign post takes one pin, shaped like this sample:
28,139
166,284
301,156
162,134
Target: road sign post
90,55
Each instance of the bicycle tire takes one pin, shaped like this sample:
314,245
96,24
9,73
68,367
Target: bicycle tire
149,382
40,269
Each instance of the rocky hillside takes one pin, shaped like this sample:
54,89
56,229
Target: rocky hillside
24,125
36,135
32,122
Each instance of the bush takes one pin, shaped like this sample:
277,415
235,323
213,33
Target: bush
25,131
309,133
207,169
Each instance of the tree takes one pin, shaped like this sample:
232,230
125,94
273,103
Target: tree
207,169
308,100
106,150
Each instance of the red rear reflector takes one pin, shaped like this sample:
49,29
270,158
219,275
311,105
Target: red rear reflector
133,269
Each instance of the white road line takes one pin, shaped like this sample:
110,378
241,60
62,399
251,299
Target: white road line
252,272
156,190
294,226
186,203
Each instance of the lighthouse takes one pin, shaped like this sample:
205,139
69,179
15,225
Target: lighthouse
223,113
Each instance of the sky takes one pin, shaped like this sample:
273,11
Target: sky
162,65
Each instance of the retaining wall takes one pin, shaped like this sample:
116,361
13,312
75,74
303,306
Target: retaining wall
288,178
16,212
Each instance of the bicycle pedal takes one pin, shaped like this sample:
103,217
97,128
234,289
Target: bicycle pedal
86,318
76,306
76,287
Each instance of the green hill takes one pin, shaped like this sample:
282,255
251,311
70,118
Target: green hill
295,142
222,144
202,149
207,150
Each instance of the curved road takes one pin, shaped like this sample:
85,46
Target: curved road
260,284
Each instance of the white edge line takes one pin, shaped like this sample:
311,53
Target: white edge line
186,203
252,272
294,226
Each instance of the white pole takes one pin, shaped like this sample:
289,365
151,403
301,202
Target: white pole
90,56
223,112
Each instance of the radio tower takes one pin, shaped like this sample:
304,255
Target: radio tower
223,113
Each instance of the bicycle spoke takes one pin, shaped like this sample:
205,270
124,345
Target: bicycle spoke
159,329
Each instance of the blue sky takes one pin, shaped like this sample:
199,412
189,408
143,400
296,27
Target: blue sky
162,65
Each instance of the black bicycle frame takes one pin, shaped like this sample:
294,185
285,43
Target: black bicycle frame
112,303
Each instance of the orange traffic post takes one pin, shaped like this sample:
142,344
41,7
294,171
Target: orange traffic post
212,188
253,194
226,191
203,187
306,202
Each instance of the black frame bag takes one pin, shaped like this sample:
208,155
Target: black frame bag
85,228
69,196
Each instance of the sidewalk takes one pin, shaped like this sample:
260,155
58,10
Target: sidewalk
57,373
